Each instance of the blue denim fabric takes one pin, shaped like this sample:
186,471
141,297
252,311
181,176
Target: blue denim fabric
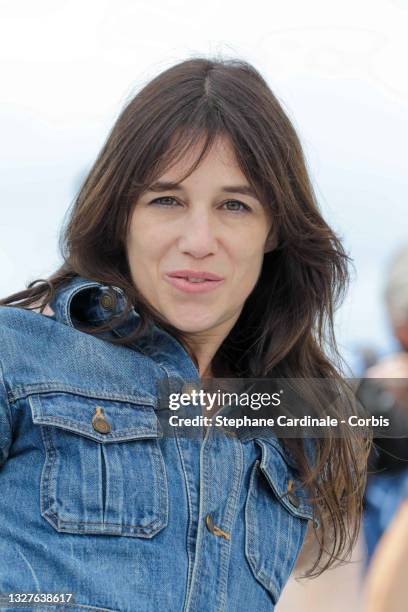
124,518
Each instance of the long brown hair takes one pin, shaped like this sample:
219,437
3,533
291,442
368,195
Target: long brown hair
286,326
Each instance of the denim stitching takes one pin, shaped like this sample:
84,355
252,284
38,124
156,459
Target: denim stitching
48,480
250,541
250,533
203,495
231,513
190,519
159,522
129,434
22,391
302,510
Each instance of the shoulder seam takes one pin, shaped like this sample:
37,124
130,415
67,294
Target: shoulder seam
6,394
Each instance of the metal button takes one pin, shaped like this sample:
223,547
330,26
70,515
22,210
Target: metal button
231,433
209,523
292,498
99,422
214,529
107,301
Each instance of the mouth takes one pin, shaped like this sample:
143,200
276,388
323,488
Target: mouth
190,281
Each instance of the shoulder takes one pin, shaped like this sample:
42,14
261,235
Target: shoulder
22,320
23,334
37,351
9,315
29,339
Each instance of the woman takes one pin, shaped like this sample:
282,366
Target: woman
194,249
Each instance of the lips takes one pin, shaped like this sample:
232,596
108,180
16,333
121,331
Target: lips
193,275
190,281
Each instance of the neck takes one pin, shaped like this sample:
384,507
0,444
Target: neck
204,353
204,345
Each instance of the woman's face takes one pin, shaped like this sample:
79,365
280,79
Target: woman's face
195,252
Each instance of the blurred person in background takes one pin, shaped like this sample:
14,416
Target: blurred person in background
387,393
386,587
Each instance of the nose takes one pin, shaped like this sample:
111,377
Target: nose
199,234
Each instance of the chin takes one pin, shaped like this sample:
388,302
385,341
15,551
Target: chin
193,322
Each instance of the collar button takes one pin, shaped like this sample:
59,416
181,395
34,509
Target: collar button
107,301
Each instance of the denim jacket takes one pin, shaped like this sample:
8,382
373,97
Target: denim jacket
97,502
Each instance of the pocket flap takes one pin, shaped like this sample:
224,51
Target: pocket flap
284,480
74,412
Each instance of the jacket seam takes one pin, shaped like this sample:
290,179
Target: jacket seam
190,520
6,395
57,387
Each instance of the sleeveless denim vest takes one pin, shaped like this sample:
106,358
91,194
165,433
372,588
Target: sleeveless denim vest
97,502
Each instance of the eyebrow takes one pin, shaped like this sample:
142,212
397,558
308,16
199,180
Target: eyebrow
168,185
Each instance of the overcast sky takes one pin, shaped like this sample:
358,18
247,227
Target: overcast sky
339,69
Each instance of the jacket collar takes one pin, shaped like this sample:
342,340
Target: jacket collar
89,302
96,303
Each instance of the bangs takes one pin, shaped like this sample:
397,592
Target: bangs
202,139
182,142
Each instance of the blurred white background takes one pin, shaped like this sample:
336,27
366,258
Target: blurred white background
339,68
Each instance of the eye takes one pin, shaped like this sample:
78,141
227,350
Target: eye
166,201
237,206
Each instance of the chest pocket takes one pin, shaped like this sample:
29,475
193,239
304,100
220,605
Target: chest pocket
276,520
104,471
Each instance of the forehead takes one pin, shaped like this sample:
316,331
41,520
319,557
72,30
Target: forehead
219,161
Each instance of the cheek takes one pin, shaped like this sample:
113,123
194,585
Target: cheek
144,242
147,250
142,255
248,264
250,269
247,251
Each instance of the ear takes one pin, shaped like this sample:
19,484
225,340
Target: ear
271,241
